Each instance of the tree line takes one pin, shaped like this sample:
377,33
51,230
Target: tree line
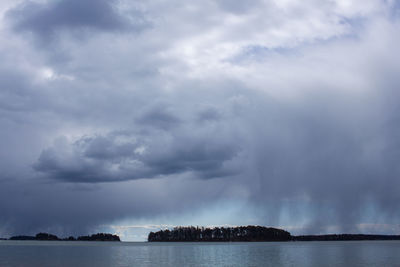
50,237
251,233
241,233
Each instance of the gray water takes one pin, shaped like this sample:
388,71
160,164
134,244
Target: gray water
336,253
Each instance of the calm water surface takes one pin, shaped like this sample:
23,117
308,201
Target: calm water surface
43,254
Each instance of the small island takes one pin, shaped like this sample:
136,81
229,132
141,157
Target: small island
50,237
251,234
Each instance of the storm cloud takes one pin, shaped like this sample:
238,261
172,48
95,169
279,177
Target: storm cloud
271,112
119,157
46,20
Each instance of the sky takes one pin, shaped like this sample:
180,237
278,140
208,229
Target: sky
128,116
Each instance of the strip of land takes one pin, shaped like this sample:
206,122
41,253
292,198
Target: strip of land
218,234
50,237
250,234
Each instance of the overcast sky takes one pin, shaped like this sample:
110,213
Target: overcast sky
127,116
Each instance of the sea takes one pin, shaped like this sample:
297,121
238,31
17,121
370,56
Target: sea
327,253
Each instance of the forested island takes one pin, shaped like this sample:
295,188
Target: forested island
242,233
250,234
50,237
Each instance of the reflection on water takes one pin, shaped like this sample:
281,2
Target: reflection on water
336,253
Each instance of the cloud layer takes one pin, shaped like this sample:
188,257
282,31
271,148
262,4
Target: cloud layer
49,19
121,111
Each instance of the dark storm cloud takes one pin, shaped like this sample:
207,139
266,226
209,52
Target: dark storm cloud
121,157
46,20
334,153
159,117
209,114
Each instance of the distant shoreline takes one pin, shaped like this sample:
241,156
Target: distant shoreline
313,238
223,234
252,234
51,237
345,237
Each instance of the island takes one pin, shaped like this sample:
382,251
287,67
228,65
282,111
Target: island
242,233
251,234
50,237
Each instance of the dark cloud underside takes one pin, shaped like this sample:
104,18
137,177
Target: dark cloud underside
46,20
